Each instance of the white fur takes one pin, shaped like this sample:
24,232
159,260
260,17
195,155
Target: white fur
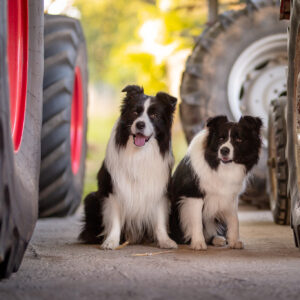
222,188
148,130
229,146
191,222
140,177
219,241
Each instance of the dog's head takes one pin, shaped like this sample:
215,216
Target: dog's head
230,142
145,117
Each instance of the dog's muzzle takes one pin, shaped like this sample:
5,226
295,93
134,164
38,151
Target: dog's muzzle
140,140
225,155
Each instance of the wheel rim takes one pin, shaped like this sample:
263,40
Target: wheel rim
17,50
77,122
257,77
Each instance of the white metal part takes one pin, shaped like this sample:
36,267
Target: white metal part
257,77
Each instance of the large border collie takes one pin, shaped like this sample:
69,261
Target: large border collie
132,198
207,182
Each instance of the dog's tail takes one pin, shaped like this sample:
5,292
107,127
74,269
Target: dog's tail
92,226
175,231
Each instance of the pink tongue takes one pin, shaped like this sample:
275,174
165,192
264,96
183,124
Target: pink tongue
139,140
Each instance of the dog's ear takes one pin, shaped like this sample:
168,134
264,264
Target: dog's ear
133,90
216,121
167,99
251,123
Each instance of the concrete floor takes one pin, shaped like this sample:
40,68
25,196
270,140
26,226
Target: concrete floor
57,267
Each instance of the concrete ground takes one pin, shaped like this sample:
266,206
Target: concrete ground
57,267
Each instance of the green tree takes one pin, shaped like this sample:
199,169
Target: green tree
115,44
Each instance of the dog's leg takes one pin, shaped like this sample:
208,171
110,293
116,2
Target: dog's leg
191,222
231,218
218,241
160,228
112,223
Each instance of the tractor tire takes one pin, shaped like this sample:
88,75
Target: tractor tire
277,163
21,73
241,56
64,117
293,118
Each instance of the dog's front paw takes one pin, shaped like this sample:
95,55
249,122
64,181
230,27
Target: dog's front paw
236,245
198,245
219,241
167,244
109,244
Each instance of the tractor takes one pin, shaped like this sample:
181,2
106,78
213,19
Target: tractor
43,122
247,61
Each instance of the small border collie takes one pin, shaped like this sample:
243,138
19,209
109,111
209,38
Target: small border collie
208,181
132,199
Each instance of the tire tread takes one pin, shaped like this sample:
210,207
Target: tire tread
281,211
63,37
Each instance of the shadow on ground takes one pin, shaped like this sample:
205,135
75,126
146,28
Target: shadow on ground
56,266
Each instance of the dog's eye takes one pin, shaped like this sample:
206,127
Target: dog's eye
135,113
221,138
238,140
154,116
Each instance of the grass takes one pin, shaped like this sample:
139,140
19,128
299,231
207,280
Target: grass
99,129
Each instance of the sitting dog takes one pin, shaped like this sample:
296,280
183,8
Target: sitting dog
208,181
132,198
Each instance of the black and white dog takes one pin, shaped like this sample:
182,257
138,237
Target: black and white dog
132,198
208,181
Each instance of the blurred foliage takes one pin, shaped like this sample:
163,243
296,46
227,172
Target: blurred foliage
115,44
130,41
97,140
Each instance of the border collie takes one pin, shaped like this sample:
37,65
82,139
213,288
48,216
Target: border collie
208,181
132,199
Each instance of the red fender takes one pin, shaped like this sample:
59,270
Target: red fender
285,9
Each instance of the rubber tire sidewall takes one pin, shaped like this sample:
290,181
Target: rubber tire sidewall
27,159
279,200
19,171
63,205
293,73
217,65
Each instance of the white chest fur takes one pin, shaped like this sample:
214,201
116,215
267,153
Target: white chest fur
222,186
140,177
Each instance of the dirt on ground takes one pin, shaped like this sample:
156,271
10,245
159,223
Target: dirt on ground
56,266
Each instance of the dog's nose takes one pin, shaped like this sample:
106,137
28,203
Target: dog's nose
140,125
225,151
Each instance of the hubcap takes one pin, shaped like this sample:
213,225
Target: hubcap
17,50
257,77
77,122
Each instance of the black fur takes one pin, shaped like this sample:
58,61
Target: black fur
161,115
93,207
213,140
131,109
247,130
184,183
162,108
245,137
